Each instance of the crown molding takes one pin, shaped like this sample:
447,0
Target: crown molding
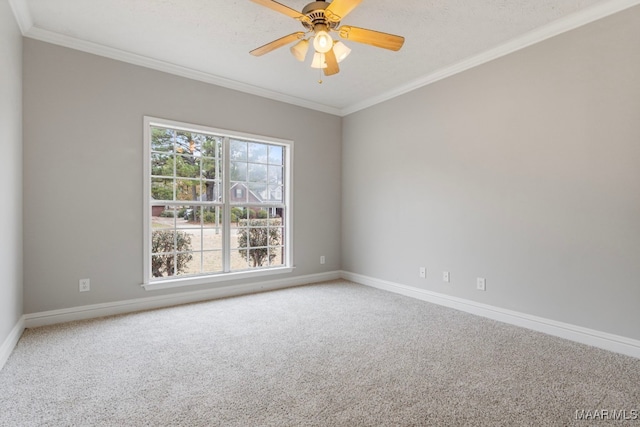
568,23
167,67
578,19
22,14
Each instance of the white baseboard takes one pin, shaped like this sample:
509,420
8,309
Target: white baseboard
604,340
10,342
33,320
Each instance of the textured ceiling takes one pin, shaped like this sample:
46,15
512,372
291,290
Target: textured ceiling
211,40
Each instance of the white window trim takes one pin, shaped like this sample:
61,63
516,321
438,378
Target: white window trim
215,277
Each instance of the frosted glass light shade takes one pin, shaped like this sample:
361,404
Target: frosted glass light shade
322,42
341,50
318,61
299,50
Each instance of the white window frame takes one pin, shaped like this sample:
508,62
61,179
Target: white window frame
150,283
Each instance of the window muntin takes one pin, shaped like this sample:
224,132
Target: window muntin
203,222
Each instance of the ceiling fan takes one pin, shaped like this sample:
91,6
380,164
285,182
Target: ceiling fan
319,18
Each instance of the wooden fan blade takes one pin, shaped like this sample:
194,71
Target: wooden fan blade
338,9
286,10
332,64
374,38
277,43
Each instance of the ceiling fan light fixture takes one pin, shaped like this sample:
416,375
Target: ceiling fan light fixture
318,61
319,18
299,50
322,42
341,50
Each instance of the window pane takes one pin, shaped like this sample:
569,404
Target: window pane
275,175
275,155
164,241
189,143
257,152
276,256
210,168
238,150
237,213
276,194
163,217
189,216
277,235
161,164
211,191
162,139
258,257
171,252
186,262
211,216
238,171
212,238
239,193
162,265
212,262
257,173
162,189
188,189
239,233
257,192
238,260
193,266
187,167
212,146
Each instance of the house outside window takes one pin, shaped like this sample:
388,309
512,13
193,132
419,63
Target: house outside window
217,204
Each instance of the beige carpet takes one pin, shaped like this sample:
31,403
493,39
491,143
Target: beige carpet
333,354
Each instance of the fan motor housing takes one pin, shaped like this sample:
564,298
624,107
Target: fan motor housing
315,12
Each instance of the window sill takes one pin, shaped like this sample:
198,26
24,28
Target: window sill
202,280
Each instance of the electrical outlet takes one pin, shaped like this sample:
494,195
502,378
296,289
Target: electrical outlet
481,284
423,272
84,285
445,276
322,259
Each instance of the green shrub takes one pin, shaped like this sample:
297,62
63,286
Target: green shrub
168,213
237,214
166,264
261,232
209,217
161,191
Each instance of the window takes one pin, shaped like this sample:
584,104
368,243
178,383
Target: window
216,205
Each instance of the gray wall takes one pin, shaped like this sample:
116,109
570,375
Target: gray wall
525,171
10,171
83,171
